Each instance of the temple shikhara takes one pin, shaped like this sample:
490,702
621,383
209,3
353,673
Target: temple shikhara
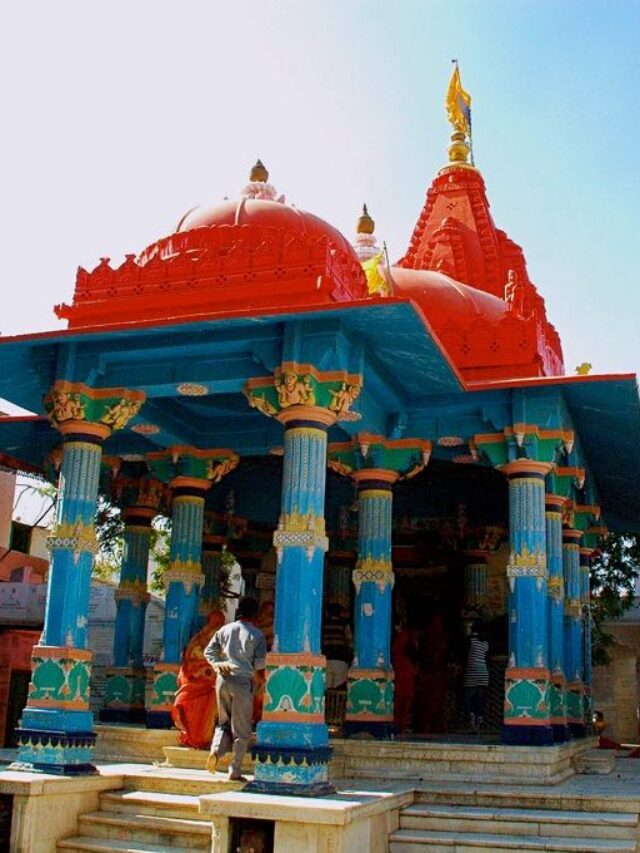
399,440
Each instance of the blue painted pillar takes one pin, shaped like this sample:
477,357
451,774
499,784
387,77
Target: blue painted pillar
183,580
55,734
370,680
211,569
587,627
527,678
573,639
292,752
125,680
555,601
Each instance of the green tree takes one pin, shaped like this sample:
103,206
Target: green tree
614,570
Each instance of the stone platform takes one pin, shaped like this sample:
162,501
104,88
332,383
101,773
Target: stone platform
145,807
459,758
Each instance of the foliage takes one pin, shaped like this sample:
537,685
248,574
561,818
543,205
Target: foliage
159,553
613,574
110,535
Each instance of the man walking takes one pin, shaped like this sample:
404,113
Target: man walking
235,652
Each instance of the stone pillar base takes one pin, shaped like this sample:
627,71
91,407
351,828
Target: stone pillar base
162,684
518,735
379,729
561,732
124,695
56,752
370,702
298,771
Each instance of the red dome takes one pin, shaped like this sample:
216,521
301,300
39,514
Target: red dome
261,213
252,255
445,299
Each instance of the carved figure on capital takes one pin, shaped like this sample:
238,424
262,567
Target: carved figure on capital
302,385
74,401
294,390
343,399
119,415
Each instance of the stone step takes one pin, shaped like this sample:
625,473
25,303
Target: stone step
529,822
415,840
194,783
151,803
492,796
86,844
169,831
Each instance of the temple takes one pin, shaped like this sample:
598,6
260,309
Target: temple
399,439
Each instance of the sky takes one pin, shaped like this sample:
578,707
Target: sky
119,117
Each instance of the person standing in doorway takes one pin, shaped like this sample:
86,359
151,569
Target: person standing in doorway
476,677
237,653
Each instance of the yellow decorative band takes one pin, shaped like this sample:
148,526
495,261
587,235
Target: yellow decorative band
369,564
367,494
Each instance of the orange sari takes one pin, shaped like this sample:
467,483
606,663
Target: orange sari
194,707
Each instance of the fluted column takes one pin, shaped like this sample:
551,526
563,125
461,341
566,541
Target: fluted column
292,751
370,680
573,648
183,580
125,680
55,734
587,627
527,679
555,600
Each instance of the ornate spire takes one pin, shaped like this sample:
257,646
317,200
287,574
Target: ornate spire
259,186
366,242
458,106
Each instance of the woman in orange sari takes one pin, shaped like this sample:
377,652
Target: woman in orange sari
266,615
194,707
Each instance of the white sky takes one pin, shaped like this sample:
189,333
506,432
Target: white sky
120,116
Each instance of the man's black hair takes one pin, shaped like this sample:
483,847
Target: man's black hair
247,608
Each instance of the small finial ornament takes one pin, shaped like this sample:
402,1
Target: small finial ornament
584,369
259,186
365,225
366,243
259,173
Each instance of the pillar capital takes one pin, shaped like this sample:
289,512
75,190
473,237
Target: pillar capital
296,385
191,467
373,457
73,407
526,468
311,416
554,503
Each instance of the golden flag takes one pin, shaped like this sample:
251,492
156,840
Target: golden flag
458,104
376,283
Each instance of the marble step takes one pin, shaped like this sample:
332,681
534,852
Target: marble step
86,844
510,821
616,799
151,803
182,833
193,783
416,840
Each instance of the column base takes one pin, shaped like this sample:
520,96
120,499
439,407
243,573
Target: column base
518,735
57,752
123,715
124,695
291,771
159,720
577,730
561,732
162,685
379,729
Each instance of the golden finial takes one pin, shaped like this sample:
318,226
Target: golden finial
259,173
365,225
584,369
458,106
